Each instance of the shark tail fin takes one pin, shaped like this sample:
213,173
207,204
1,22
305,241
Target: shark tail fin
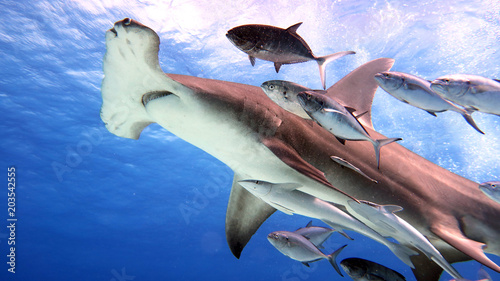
323,61
332,258
468,117
403,253
377,144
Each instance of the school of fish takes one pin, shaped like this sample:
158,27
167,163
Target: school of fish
463,94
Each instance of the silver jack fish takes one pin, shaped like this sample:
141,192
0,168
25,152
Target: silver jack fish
470,91
316,234
284,94
281,46
299,248
365,270
335,118
393,226
286,198
417,92
491,189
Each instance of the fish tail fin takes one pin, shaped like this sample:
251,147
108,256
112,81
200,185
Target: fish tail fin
468,117
333,257
403,253
323,61
377,144
337,228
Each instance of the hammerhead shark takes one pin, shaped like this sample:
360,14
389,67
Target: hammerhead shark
239,125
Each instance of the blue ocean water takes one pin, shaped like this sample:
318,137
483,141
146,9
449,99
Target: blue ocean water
93,206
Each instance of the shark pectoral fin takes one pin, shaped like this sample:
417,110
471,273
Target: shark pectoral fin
245,213
472,248
292,158
358,88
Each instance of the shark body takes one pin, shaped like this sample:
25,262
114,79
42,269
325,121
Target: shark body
239,125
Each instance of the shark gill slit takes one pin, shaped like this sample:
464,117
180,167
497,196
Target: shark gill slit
149,96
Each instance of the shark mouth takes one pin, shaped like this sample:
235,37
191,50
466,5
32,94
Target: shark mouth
146,98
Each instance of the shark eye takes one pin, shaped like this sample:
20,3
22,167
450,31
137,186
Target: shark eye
386,75
127,21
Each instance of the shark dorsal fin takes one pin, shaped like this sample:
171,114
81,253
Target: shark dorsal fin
293,29
357,88
498,80
391,208
309,224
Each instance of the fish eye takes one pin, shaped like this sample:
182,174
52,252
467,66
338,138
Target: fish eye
271,87
257,182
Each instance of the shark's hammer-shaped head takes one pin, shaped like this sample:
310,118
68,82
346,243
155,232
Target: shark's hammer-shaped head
132,78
